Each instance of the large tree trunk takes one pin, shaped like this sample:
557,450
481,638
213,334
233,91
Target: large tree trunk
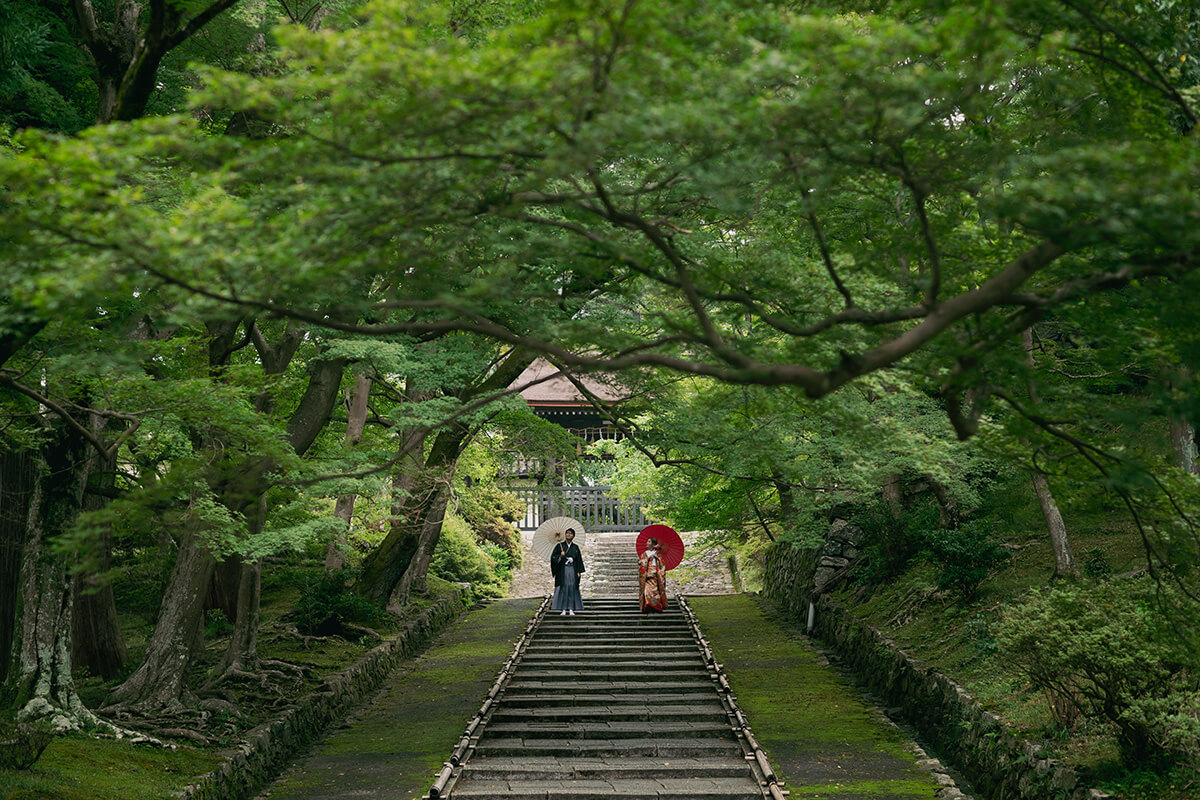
97,641
384,568
356,422
1183,435
158,682
893,494
41,685
17,471
309,418
1064,557
413,579
242,653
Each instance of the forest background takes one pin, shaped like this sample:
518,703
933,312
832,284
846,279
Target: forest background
927,268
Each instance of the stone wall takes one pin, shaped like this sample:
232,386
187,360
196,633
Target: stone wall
268,748
1000,763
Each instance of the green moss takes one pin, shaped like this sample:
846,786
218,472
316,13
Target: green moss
817,730
398,743
78,768
956,638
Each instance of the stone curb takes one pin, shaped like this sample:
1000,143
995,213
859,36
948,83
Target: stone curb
268,748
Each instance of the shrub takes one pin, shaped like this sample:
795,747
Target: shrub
966,555
493,513
1105,649
890,542
326,606
460,558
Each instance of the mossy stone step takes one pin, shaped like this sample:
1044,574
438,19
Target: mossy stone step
608,730
666,749
698,712
550,768
647,671
529,699
588,690
718,788
672,659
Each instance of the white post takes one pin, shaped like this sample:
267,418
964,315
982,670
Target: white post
812,616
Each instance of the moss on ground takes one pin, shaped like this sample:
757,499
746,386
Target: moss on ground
398,742
80,768
955,637
818,732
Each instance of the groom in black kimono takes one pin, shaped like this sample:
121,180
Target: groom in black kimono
566,564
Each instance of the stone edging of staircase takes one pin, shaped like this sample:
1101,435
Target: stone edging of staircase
998,761
268,748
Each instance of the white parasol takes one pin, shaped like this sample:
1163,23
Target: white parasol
553,531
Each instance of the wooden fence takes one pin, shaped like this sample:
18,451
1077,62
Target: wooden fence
595,508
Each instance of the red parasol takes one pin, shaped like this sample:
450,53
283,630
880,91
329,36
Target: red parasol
670,546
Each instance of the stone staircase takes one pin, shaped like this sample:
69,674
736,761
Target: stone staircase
612,562
609,703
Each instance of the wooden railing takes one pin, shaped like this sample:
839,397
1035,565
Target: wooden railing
594,506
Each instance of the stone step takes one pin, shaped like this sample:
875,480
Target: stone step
666,749
582,687
644,672
670,788
679,644
673,658
519,698
566,639
524,768
660,729
698,712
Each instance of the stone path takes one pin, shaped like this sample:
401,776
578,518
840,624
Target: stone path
609,703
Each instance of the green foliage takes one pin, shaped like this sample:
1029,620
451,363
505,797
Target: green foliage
492,514
42,71
966,556
1095,563
327,605
459,557
891,541
1105,649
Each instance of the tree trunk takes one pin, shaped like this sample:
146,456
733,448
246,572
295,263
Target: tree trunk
385,568
1183,437
948,515
41,685
224,586
787,501
96,639
413,579
158,682
893,494
1064,557
356,422
17,471
242,653
385,565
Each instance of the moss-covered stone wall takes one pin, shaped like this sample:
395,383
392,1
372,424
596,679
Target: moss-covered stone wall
788,577
268,748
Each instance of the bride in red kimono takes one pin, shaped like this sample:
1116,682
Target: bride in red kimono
652,578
